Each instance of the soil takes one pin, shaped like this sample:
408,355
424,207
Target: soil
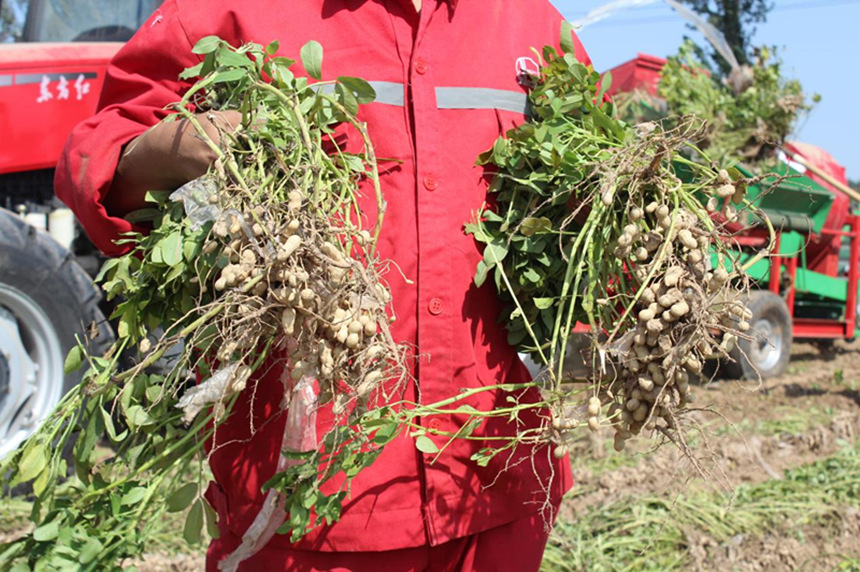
763,429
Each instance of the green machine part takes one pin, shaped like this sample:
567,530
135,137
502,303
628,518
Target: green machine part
791,201
797,207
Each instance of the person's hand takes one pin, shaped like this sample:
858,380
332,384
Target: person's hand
165,158
196,154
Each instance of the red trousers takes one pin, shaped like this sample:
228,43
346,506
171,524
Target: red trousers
514,547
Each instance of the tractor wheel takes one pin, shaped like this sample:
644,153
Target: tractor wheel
767,353
46,301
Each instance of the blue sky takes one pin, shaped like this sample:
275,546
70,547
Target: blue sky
819,43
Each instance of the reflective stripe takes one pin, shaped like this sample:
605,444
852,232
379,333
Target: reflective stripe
481,98
5,80
387,92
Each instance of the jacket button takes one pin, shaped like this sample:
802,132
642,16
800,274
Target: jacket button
434,424
435,306
430,183
421,66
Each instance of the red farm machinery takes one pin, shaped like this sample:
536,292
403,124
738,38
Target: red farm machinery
53,58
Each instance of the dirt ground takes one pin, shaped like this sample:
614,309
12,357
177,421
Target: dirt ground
764,429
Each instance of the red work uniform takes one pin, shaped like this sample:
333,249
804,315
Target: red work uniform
449,81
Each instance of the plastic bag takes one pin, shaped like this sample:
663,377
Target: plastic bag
299,435
195,198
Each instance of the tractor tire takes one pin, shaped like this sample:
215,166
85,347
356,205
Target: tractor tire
47,302
767,353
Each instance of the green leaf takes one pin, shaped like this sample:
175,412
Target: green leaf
531,275
158,197
48,531
171,248
153,393
272,48
175,272
426,445
206,45
211,520
484,456
192,72
605,84
543,303
384,434
182,497
40,483
73,360
312,55
109,426
495,253
567,46
133,496
191,248
138,417
194,524
516,336
227,76
284,77
347,99
352,162
89,551
142,215
481,273
33,461
363,91
106,268
232,59
122,329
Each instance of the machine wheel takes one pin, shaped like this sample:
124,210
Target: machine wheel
768,352
46,299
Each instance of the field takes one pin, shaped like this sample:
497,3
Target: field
783,491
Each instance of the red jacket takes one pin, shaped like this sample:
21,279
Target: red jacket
447,85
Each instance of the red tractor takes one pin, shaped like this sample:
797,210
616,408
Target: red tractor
53,57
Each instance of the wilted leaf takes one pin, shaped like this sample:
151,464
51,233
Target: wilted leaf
532,226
